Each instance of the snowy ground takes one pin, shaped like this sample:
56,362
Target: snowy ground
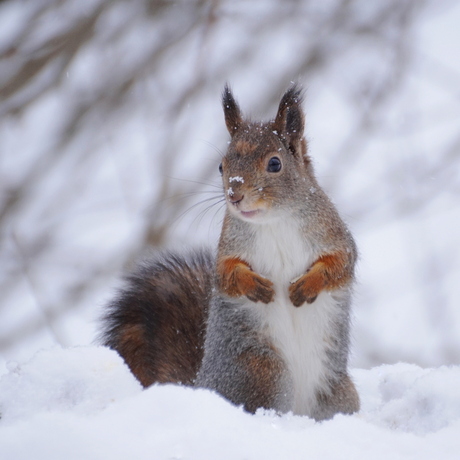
83,403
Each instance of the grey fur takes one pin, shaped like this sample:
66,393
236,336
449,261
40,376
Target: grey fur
232,331
242,350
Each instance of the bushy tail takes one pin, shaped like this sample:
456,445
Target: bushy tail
157,322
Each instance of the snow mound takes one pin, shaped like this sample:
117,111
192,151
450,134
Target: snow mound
79,380
411,399
84,403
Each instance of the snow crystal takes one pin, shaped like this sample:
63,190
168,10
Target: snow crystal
236,179
230,191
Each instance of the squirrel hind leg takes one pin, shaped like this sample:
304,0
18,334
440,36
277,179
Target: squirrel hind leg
342,398
265,383
256,378
240,363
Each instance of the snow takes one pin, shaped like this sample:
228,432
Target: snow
83,402
236,179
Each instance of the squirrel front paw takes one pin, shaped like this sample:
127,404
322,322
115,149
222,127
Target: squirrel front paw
257,288
306,288
330,271
237,279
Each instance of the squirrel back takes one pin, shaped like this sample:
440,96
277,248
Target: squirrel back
274,307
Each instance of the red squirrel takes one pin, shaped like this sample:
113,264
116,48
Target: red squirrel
265,323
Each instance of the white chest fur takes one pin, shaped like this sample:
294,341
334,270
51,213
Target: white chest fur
281,254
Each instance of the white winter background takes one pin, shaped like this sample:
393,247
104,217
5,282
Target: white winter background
110,136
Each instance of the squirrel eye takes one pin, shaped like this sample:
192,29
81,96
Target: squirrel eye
274,165
220,169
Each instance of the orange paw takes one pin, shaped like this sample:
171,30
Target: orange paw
257,288
329,272
306,288
237,279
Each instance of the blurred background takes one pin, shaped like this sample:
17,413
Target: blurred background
111,132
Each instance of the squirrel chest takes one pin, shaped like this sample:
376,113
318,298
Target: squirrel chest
281,252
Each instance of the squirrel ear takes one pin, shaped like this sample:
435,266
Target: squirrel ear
232,112
289,122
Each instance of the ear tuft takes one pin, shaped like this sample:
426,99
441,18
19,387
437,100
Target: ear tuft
289,122
232,112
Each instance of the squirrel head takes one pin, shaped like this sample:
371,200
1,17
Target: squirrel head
266,169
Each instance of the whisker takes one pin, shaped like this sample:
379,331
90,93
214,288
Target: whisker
218,210
199,217
209,184
210,144
213,198
203,213
181,197
191,194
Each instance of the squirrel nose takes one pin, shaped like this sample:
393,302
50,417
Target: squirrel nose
236,198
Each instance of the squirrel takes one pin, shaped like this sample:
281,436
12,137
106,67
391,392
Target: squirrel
266,322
